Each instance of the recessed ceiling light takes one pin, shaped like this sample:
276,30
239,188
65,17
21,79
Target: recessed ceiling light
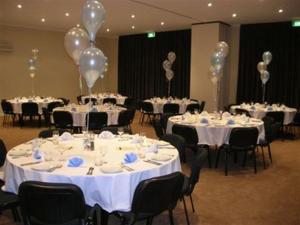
19,6
107,30
132,16
67,14
43,20
132,27
280,10
209,4
78,25
162,23
234,15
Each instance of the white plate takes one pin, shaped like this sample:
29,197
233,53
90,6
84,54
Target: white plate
161,157
17,152
111,169
42,167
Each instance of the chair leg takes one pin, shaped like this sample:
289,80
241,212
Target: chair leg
186,212
170,217
218,157
245,159
208,157
15,214
192,203
270,154
254,160
263,156
226,162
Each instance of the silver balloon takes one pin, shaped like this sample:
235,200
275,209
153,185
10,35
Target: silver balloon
261,67
167,65
214,74
31,65
169,75
264,76
91,65
93,15
171,57
35,52
223,48
217,60
76,40
267,57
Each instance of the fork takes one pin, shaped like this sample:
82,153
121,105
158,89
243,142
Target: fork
54,168
90,171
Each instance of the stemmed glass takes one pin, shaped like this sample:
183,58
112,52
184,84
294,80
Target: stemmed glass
120,131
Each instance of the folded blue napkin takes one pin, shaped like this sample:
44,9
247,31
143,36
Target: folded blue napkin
75,162
204,120
230,122
130,157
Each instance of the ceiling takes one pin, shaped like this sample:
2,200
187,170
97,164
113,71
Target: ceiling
176,14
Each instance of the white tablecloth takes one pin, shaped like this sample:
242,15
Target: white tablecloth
259,111
111,191
119,98
158,104
17,103
216,132
79,113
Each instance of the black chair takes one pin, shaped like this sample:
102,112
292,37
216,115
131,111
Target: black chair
63,120
31,110
278,117
79,99
241,140
190,136
65,100
147,110
171,108
178,142
152,197
96,120
7,112
158,128
113,130
54,203
49,133
110,100
271,133
194,100
227,108
202,106
164,120
296,123
129,103
193,107
242,111
192,180
124,120
7,200
93,100
53,105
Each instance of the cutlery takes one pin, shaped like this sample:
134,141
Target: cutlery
20,156
90,171
30,163
152,162
129,169
54,168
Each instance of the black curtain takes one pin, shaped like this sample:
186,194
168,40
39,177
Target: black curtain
140,64
283,41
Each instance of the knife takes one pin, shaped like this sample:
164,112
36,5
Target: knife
30,163
152,162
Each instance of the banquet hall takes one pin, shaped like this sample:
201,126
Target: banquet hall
105,95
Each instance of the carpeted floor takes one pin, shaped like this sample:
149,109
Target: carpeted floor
271,197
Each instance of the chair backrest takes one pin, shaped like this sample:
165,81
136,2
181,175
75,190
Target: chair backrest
62,119
49,133
158,128
97,120
65,100
187,132
177,141
242,111
114,130
296,119
147,107
3,152
202,106
154,195
132,114
227,108
243,138
53,105
6,107
278,116
192,107
109,100
30,108
124,118
93,100
196,167
164,120
51,203
171,108
79,99
129,102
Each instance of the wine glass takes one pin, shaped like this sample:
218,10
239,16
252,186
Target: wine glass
120,131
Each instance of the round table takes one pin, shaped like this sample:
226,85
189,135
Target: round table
79,113
41,102
216,131
112,191
119,98
260,110
158,104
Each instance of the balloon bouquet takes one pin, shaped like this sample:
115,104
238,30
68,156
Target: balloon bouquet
80,45
264,73
32,67
167,65
216,68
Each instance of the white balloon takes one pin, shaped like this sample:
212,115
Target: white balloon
76,40
169,75
223,48
167,65
267,57
91,65
32,75
217,60
93,15
261,67
31,65
264,76
171,57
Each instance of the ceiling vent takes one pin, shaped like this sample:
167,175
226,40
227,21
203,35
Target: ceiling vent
6,46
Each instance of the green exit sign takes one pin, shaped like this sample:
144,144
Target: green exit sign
296,23
151,35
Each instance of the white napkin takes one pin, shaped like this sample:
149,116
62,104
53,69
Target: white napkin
66,136
226,115
204,114
106,135
152,148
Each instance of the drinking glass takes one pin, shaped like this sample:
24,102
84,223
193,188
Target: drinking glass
120,131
